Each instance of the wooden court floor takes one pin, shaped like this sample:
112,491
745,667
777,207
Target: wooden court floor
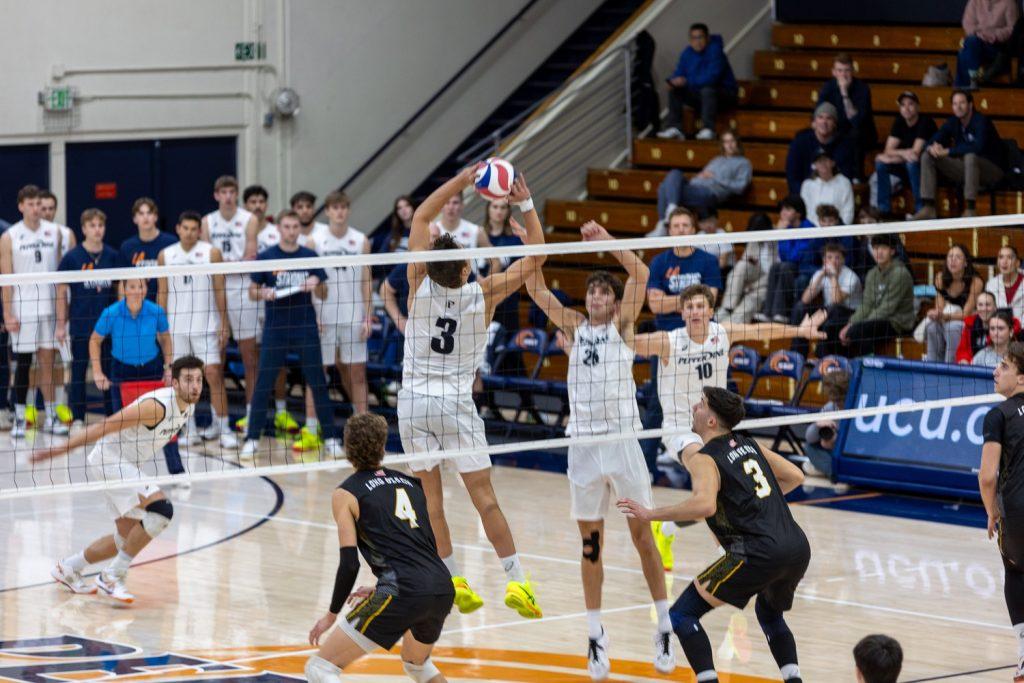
231,590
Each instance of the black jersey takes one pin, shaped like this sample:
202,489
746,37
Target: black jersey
394,534
752,520
1004,425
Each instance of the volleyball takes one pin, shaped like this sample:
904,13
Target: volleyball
494,178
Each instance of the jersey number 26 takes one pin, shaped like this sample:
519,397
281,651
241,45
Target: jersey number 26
404,509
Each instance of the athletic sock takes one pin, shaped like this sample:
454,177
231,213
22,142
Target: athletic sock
51,412
222,422
76,562
119,565
280,405
513,570
664,621
791,674
312,423
60,395
594,623
668,528
19,411
453,566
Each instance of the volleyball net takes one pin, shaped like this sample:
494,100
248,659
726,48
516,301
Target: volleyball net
884,323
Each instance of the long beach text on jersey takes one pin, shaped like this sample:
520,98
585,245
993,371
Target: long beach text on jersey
381,480
737,453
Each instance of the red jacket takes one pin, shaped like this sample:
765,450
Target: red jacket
965,350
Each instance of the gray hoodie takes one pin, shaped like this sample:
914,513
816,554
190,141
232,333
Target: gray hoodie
732,175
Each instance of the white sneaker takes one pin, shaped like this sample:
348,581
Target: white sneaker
597,657
664,653
210,433
71,580
660,230
228,440
247,455
671,134
55,427
333,449
113,587
6,419
706,134
18,429
190,437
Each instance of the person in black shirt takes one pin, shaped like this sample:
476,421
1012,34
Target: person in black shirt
1001,480
852,99
383,512
739,488
902,154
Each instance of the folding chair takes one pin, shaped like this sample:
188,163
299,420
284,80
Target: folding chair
788,367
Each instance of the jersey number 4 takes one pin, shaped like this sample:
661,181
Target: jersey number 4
404,509
763,488
445,343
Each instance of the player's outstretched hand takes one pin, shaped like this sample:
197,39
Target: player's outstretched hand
592,231
358,594
993,527
44,454
320,627
520,192
468,174
809,326
518,230
633,509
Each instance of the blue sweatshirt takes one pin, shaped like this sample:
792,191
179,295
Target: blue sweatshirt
979,136
709,67
805,253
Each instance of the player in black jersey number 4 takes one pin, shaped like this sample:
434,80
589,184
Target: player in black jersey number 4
739,488
1001,480
384,512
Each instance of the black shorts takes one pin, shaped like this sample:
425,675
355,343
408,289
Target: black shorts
734,581
1011,542
382,619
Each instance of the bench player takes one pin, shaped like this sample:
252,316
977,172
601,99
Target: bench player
197,315
739,489
61,372
383,513
602,400
696,356
124,442
1001,480
445,341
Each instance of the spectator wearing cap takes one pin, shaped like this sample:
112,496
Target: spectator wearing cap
822,136
825,186
901,158
988,26
967,150
852,99
703,79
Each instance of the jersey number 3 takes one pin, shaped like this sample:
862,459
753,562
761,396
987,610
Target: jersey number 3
444,344
763,488
404,509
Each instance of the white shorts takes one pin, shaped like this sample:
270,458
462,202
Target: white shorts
123,502
675,444
428,424
203,346
598,471
34,335
344,340
244,314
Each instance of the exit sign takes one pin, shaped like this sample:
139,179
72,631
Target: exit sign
58,99
247,52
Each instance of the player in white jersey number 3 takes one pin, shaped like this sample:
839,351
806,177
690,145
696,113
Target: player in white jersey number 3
602,400
125,442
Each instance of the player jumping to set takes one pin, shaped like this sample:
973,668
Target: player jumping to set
445,341
123,443
739,489
383,513
1001,480
602,400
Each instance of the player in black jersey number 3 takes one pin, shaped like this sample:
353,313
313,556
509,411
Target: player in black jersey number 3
1001,479
739,488
384,512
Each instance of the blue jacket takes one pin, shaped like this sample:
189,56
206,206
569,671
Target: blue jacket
806,254
980,137
710,67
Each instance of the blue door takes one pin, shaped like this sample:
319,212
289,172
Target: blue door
21,165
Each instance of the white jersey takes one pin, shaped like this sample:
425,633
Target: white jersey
690,368
602,393
141,443
445,340
268,237
34,251
344,303
467,234
191,307
228,234
309,240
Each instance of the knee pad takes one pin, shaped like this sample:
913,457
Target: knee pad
421,673
687,611
157,516
770,619
592,547
319,670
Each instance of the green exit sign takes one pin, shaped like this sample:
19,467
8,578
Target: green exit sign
247,52
58,99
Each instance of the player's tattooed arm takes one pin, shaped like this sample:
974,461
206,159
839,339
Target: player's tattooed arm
701,505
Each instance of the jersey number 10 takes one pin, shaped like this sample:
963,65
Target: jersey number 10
704,371
404,509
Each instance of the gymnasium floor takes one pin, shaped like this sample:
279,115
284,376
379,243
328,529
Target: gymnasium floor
233,587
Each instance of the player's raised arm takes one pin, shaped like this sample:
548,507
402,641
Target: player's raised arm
701,505
419,234
809,328
636,285
148,413
346,510
564,318
499,287
786,473
651,344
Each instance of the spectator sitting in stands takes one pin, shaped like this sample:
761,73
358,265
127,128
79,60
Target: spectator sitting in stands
1006,285
887,309
975,333
822,136
726,175
988,25
796,264
820,437
967,149
394,291
852,99
707,222
956,293
703,79
394,235
673,270
901,157
878,658
839,290
499,230
748,280
1000,334
826,187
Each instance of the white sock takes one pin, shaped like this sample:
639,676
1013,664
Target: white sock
76,562
51,412
312,423
222,422
453,566
280,405
707,676
19,411
664,621
513,570
790,671
1019,630
119,565
192,427
668,528
60,396
594,623
248,410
